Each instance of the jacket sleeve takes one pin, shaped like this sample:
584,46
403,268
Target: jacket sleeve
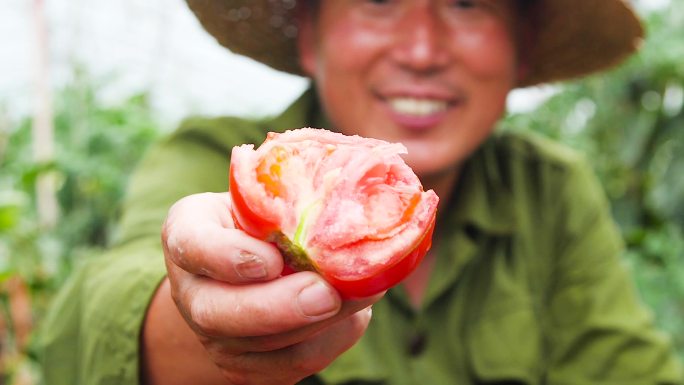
91,334
599,331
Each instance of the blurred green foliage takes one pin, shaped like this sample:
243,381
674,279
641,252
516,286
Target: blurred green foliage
96,146
630,123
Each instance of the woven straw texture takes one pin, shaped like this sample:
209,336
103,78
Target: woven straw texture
572,38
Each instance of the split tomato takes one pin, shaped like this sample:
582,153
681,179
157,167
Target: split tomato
346,207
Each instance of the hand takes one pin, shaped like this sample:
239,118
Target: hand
257,327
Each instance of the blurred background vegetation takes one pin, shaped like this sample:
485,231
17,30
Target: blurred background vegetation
96,148
630,123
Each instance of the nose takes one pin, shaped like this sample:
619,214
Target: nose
420,43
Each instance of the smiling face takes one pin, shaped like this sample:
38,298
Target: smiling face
431,74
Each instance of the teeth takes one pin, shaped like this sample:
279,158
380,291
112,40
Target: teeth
418,107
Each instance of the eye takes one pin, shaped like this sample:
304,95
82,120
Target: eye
464,4
378,2
378,8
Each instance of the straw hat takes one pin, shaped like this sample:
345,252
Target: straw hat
573,37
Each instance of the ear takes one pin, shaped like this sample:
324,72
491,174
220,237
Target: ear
306,38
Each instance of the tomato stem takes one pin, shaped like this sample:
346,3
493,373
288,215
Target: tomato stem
295,256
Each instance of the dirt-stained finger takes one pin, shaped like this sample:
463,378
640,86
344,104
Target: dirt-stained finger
198,236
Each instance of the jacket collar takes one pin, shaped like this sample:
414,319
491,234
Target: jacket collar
482,198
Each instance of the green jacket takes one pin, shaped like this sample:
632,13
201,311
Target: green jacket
528,288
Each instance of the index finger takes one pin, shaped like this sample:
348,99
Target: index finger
199,237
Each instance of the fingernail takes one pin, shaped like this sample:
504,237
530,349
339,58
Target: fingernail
317,300
250,266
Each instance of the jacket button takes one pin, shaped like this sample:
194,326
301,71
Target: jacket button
417,343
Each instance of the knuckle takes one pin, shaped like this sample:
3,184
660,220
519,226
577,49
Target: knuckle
178,244
167,228
176,208
203,317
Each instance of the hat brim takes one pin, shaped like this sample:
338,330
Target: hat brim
572,38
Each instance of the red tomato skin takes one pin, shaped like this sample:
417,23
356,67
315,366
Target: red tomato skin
245,219
383,279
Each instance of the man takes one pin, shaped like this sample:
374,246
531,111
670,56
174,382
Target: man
524,283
